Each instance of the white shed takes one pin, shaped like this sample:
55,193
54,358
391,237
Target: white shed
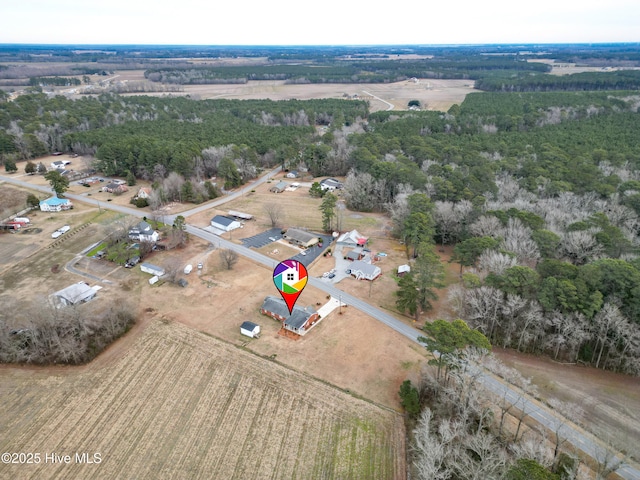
250,329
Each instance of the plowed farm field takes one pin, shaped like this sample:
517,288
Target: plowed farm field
181,404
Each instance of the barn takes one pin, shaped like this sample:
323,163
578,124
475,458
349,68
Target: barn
225,224
250,329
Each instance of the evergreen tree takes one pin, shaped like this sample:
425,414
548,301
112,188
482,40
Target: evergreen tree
59,183
10,166
328,209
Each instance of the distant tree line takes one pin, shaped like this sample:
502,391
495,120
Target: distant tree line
586,81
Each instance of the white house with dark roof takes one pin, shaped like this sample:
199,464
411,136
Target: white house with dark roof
143,232
330,184
225,224
60,164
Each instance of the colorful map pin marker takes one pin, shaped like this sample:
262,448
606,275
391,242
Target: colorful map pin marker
290,278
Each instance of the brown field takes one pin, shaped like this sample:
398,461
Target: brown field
433,94
180,404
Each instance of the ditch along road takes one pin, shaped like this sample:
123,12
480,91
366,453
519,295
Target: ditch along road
580,439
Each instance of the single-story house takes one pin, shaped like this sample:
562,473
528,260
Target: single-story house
74,294
55,204
292,174
355,254
152,269
403,270
279,187
300,237
240,215
144,192
114,187
60,164
143,232
364,271
299,321
250,329
352,239
330,184
224,223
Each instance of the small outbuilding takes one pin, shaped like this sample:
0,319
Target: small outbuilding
250,329
279,187
240,215
152,269
225,224
403,270
355,254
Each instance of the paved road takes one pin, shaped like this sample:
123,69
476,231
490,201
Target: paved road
585,442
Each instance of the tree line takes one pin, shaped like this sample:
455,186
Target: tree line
42,334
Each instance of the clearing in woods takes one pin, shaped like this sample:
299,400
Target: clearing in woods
176,406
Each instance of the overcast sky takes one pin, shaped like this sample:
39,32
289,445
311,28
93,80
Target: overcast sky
319,22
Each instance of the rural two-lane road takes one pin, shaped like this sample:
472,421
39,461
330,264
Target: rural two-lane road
577,437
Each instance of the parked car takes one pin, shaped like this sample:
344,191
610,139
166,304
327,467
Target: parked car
200,266
132,262
188,268
331,275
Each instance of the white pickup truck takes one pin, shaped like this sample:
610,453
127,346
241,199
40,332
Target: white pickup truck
60,231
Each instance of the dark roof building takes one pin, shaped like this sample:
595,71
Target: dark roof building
299,321
300,237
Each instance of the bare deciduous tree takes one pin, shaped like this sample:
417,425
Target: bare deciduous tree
274,211
228,258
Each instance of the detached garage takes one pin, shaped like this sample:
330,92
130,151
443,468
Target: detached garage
250,329
224,223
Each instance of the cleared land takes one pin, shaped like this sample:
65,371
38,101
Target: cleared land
433,94
181,404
